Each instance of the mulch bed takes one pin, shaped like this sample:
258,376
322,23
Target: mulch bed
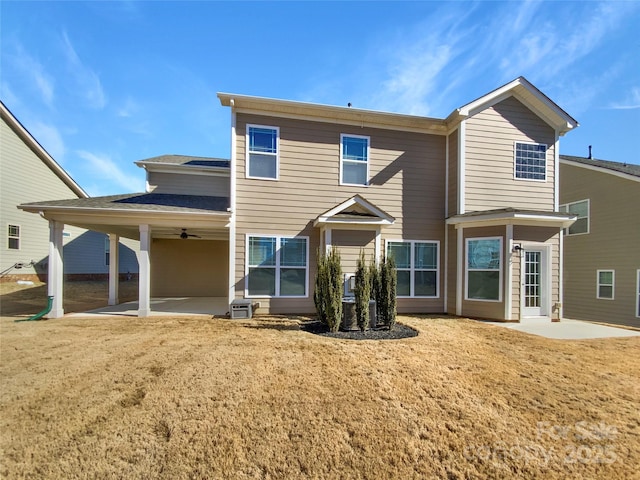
380,333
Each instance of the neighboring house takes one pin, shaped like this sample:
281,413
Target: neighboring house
467,205
602,248
29,173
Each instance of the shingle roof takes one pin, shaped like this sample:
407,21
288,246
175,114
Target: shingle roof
188,160
628,168
152,202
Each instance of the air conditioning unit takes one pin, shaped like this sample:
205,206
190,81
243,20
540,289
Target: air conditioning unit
240,308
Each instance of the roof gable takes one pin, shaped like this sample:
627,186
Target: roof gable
39,151
356,210
527,94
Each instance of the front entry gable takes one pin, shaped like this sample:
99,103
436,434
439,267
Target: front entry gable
354,211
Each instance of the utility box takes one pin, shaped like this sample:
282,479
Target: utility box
240,308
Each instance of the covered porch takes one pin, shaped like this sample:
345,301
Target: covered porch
183,252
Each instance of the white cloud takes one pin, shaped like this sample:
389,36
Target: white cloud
50,138
34,73
86,79
128,108
631,102
102,166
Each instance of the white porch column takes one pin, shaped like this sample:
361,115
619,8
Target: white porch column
459,269
378,245
327,240
114,260
144,286
508,284
56,271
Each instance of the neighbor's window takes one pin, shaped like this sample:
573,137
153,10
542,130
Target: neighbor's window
277,266
606,281
354,160
416,267
262,151
581,210
484,268
14,237
107,250
531,161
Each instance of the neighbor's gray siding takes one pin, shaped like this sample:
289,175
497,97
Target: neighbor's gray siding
407,180
84,253
613,243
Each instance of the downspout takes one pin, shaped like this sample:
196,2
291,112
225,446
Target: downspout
232,208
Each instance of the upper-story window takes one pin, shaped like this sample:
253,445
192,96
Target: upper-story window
262,152
581,210
354,160
14,237
531,161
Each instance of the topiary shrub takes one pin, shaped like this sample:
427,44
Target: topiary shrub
387,292
327,295
362,292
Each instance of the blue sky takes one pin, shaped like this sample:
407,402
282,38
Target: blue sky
103,84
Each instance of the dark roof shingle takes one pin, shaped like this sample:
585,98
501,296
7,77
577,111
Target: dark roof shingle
628,168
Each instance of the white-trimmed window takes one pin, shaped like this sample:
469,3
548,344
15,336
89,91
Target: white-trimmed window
262,152
277,266
581,210
417,267
484,269
354,160
530,161
606,284
13,237
107,250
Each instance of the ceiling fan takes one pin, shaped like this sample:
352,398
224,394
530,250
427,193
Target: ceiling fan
184,235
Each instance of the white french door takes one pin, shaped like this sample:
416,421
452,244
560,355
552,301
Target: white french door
534,283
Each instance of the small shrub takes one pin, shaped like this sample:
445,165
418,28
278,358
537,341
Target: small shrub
362,292
387,292
327,295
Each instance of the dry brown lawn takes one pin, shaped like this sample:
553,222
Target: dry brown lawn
193,397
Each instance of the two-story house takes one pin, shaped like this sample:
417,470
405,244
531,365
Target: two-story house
602,248
468,206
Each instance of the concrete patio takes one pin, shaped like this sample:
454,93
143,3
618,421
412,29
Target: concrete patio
212,306
567,329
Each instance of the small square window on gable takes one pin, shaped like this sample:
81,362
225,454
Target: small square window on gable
530,161
354,160
262,152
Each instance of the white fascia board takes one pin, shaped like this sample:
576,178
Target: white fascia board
177,168
349,221
540,220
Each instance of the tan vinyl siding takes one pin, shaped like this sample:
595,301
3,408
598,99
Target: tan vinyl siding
489,160
611,244
452,207
194,268
188,184
350,243
407,180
